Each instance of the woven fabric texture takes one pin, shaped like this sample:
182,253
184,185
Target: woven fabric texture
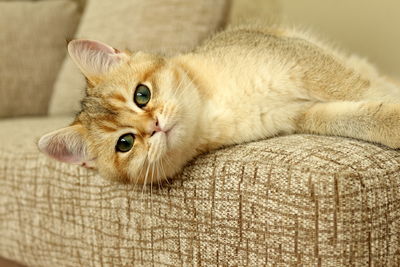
152,26
32,49
292,200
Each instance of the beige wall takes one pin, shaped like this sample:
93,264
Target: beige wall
370,28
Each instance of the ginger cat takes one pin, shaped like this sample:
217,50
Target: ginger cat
145,116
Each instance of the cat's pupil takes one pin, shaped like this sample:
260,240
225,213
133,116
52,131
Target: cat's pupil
142,95
125,143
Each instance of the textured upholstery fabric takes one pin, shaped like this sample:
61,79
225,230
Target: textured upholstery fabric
151,25
301,199
32,49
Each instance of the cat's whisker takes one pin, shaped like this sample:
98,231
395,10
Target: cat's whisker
175,93
190,83
163,169
181,92
145,179
170,165
140,172
168,161
177,88
178,92
151,187
158,180
138,176
159,175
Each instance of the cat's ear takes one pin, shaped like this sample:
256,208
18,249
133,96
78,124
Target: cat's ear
94,58
66,145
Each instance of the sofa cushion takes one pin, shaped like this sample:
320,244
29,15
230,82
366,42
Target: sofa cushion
254,11
32,41
151,25
291,200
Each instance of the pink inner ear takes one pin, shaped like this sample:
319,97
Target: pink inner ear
65,145
94,58
59,151
93,45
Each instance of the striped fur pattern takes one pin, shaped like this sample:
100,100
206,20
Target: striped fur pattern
243,84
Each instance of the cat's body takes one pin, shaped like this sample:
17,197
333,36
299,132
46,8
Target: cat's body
261,82
243,84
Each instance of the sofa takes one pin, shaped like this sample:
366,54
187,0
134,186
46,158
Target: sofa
290,200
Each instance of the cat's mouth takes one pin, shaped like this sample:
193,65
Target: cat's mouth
169,129
168,132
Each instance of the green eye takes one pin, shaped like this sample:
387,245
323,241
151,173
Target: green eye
125,143
142,95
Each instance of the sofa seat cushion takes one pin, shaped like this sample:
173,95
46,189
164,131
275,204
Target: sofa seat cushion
290,200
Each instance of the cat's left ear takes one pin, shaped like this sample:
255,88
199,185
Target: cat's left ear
95,58
66,145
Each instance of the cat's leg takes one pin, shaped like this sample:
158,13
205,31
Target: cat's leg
382,90
371,121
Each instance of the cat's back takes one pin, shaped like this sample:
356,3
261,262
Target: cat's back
241,37
278,41
279,47
289,58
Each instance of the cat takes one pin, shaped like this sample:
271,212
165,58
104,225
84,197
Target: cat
145,116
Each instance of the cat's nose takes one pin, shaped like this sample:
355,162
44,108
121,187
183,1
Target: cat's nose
155,128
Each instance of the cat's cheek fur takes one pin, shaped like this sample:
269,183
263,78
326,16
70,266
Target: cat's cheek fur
157,147
136,169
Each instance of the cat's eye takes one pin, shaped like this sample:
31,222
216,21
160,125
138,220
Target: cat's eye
142,95
125,143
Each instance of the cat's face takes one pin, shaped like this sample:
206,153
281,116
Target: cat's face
138,120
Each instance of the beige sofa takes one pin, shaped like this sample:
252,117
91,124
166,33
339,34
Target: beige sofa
291,200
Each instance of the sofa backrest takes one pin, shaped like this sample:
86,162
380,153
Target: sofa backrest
35,75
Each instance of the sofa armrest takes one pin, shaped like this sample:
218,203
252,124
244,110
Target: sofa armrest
299,199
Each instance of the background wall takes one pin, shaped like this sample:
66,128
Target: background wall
370,28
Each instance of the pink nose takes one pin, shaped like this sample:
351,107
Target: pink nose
156,128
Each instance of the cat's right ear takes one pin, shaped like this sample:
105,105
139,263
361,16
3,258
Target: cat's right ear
66,145
94,58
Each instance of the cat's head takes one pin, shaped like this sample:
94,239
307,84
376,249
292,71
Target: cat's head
138,118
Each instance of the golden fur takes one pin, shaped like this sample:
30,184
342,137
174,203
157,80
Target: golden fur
243,84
